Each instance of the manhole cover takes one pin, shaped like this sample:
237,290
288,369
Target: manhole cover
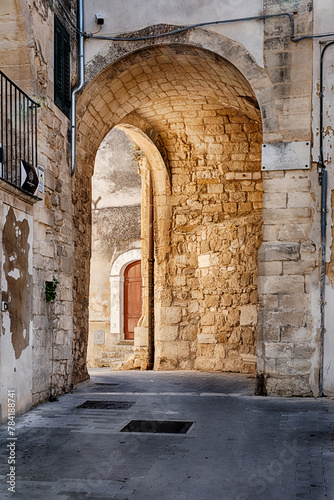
106,405
157,426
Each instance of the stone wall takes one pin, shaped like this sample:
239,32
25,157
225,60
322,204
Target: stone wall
211,323
27,51
287,348
287,261
213,162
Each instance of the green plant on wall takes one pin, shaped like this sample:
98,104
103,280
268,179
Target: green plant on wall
51,289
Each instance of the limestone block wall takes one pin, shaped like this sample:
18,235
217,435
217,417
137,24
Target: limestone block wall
14,53
287,260
211,322
54,246
288,344
26,44
53,254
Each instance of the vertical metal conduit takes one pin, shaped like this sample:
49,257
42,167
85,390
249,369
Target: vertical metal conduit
150,364
80,85
323,218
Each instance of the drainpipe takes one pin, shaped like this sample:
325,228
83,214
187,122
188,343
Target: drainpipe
81,82
323,181
150,365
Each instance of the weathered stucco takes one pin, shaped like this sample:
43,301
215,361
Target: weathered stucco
322,23
130,17
16,283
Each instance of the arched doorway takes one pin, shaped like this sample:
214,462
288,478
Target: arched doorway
132,298
206,124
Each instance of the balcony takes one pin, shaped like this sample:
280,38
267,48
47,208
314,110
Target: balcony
18,137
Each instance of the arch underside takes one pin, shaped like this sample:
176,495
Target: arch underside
197,121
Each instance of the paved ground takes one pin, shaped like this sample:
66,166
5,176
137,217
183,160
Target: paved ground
240,447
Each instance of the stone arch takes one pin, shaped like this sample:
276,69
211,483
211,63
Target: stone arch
257,77
156,163
232,51
196,101
146,130
155,183
153,173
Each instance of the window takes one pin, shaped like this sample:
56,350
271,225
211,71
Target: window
62,70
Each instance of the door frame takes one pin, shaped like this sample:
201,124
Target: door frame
116,292
126,300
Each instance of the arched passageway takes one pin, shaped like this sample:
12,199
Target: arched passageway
198,124
116,243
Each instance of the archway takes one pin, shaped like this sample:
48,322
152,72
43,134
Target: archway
116,242
119,239
207,127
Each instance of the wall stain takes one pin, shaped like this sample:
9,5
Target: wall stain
16,251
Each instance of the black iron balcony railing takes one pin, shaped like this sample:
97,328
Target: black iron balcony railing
18,136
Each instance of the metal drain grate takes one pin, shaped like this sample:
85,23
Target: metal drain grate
158,426
105,385
106,405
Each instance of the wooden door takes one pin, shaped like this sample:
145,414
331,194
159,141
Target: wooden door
132,298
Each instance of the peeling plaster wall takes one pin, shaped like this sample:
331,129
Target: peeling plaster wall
16,338
17,275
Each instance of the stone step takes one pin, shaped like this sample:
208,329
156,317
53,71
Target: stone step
112,355
119,349
116,355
